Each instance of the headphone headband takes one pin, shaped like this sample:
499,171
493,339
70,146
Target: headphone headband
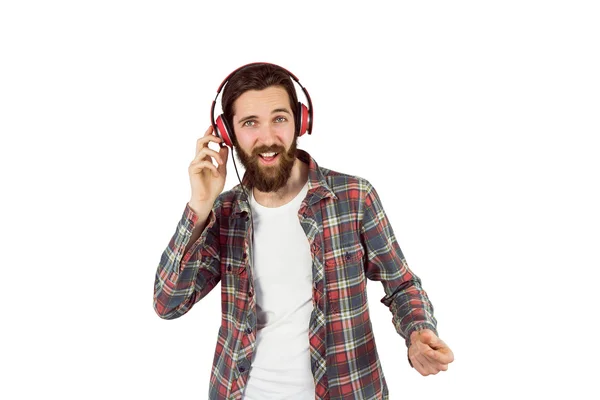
252,64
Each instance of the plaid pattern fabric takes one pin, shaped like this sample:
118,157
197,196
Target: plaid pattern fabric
350,240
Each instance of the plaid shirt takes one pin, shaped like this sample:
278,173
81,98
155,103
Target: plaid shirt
350,240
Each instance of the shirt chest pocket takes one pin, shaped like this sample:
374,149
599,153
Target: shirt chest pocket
234,286
233,266
234,271
345,279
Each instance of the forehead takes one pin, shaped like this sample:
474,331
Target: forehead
261,101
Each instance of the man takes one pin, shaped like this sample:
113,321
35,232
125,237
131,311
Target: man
292,255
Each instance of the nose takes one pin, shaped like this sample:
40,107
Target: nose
268,136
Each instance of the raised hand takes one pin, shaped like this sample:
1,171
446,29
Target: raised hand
207,181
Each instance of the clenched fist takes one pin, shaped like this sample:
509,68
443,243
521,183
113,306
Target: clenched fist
429,354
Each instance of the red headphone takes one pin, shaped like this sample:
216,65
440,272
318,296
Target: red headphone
303,120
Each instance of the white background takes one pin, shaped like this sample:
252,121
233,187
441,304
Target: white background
476,121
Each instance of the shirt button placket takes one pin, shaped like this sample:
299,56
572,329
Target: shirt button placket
250,322
243,366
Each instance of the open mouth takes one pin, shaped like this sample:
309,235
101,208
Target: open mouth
268,157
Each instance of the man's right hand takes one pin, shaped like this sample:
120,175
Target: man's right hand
207,181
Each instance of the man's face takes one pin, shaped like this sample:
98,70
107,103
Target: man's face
263,122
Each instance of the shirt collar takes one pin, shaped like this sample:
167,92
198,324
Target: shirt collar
318,189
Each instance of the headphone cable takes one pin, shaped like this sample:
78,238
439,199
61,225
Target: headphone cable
242,185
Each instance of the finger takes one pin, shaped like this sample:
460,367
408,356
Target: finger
447,353
202,143
419,366
425,366
438,356
207,137
434,366
206,153
224,153
197,167
199,143
438,343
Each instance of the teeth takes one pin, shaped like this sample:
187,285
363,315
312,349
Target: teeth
268,154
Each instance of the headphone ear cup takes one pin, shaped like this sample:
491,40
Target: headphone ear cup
222,130
302,119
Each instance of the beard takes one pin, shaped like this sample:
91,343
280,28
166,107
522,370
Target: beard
268,178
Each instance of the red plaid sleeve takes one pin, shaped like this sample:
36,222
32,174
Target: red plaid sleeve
183,279
408,302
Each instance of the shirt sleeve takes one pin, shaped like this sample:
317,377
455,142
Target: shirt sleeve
408,302
184,279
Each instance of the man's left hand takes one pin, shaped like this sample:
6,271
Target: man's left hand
428,353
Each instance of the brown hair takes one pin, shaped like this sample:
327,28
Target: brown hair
256,77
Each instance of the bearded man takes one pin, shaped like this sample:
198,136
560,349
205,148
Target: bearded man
292,245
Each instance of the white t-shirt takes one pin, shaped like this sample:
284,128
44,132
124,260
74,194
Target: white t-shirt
283,285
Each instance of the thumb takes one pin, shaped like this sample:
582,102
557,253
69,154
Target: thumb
428,337
224,153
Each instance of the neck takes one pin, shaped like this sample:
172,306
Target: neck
285,194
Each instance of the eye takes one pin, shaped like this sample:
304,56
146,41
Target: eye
249,123
280,119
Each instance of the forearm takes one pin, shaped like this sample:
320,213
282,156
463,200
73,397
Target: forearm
411,309
202,211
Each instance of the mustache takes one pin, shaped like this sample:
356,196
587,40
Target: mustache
274,149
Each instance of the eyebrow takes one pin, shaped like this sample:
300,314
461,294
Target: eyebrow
285,110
